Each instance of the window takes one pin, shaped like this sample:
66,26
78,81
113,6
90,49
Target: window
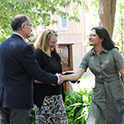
63,23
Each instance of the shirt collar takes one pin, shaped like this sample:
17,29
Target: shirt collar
18,34
93,52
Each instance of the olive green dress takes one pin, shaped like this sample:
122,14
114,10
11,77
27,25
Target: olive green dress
108,93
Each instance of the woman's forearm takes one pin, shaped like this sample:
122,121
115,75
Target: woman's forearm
75,76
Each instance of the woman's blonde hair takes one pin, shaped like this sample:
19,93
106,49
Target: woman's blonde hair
42,42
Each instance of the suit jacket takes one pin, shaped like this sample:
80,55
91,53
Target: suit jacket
18,67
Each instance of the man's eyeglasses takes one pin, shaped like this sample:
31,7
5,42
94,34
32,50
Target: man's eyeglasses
31,25
92,35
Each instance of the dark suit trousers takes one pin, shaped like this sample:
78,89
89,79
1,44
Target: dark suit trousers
14,116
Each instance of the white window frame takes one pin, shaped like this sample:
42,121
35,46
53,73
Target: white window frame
63,23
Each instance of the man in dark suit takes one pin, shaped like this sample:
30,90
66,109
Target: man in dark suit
18,68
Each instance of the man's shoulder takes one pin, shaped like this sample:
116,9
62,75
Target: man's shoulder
14,42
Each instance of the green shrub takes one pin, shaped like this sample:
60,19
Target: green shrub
32,116
77,106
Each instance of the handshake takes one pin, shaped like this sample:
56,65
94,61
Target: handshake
61,79
64,77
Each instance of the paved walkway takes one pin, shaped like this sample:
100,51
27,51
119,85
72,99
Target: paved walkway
87,82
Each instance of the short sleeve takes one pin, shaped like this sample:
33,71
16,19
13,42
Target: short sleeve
119,60
84,62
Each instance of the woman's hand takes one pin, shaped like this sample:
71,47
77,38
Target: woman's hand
122,73
36,81
61,79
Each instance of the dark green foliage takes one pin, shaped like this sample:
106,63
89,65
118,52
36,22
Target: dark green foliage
39,11
77,106
32,116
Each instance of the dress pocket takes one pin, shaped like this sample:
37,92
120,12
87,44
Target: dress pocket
116,90
98,92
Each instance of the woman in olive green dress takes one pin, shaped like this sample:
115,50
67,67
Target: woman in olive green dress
107,64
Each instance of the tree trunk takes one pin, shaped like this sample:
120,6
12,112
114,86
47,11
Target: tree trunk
106,12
